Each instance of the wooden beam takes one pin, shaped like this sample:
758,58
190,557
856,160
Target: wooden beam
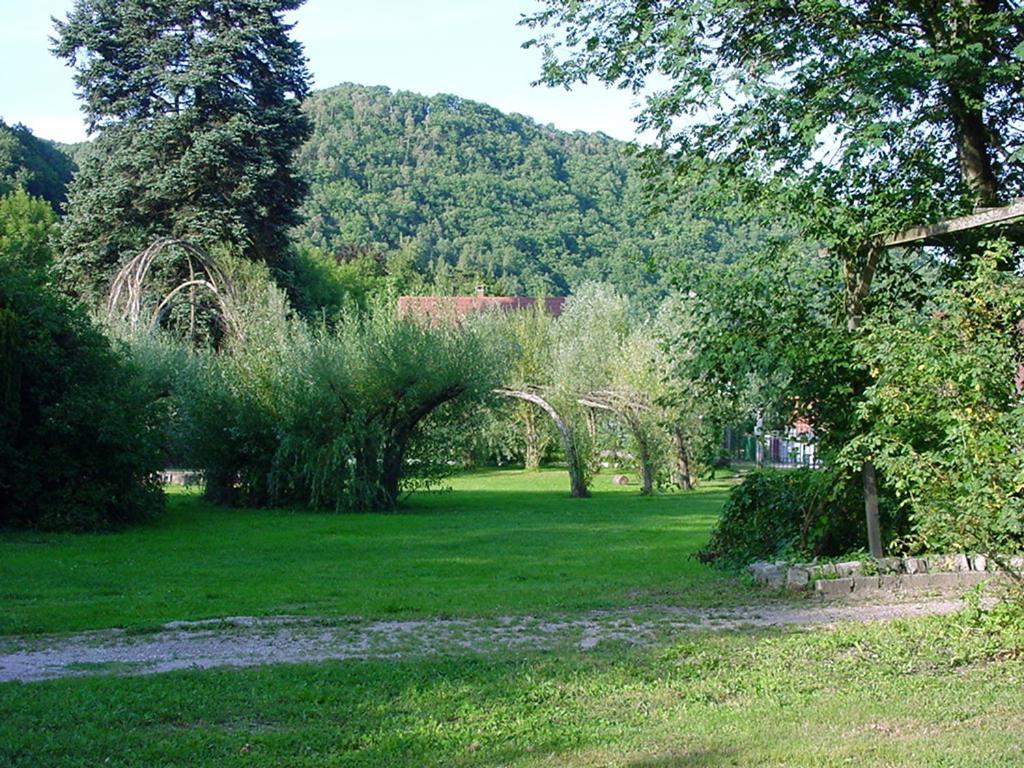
1006,214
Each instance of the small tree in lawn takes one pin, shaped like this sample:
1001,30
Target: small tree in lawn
531,368
345,417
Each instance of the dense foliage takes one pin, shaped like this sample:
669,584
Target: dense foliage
944,415
779,513
856,116
342,417
38,166
766,335
79,428
452,194
849,118
196,105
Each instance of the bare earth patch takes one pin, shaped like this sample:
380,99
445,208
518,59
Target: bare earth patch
248,641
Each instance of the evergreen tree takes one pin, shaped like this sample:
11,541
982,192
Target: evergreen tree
196,106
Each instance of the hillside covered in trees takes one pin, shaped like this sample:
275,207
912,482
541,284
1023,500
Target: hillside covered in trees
441,194
42,167
445,194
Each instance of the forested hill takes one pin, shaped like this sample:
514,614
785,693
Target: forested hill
442,194
42,167
463,194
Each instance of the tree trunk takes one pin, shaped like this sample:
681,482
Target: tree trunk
533,448
974,149
646,471
391,476
682,474
577,482
858,285
643,449
592,425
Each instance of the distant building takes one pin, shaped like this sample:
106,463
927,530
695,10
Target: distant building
457,307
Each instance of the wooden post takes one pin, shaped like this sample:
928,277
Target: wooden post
870,481
858,287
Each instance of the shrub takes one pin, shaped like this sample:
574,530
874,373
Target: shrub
945,419
343,417
779,513
79,431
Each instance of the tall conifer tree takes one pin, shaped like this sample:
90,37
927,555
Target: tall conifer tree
196,107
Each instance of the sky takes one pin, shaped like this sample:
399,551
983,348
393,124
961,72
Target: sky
469,48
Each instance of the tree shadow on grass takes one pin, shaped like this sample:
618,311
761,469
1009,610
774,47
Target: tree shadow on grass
697,758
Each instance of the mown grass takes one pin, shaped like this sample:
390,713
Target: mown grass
502,542
882,695
922,693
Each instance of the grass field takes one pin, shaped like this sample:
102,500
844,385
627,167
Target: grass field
501,542
857,696
902,694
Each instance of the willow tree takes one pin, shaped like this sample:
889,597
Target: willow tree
195,109
850,117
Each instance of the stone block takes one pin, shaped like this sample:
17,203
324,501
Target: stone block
979,563
890,564
914,565
892,582
944,581
848,569
961,563
863,584
834,587
767,574
972,578
798,578
916,581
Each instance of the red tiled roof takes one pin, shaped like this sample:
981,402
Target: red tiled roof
461,306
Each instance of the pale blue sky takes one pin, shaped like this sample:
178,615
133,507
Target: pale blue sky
469,48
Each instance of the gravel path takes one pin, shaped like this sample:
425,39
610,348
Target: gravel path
247,641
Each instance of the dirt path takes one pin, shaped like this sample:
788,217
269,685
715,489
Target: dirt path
246,641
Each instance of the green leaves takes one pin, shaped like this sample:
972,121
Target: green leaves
79,429
197,109
472,196
943,418
858,106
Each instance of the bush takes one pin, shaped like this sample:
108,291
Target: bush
343,417
79,431
945,419
779,513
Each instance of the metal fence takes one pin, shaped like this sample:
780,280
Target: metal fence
770,449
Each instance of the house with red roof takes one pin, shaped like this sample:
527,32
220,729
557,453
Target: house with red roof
458,307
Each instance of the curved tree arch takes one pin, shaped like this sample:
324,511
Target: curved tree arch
126,300
629,407
577,481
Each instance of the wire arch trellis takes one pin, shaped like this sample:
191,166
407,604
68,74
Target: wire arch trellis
126,298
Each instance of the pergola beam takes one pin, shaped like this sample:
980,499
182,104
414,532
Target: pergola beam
989,217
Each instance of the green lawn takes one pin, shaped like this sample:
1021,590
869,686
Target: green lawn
500,542
898,694
883,695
